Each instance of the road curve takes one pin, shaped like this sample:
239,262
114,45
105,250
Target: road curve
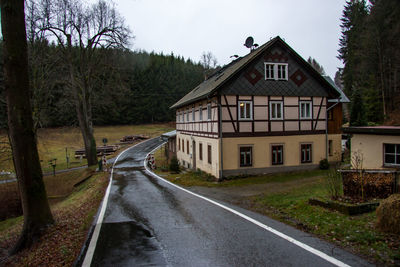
149,222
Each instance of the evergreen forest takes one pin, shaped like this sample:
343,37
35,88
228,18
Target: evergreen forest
369,49
134,87
130,87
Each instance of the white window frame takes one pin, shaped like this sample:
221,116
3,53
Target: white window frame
183,116
303,104
187,115
245,110
209,111
271,104
396,154
285,68
193,114
272,70
269,71
200,113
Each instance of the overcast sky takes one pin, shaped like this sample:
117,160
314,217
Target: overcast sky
189,27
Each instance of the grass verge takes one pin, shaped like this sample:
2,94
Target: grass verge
61,243
357,233
285,197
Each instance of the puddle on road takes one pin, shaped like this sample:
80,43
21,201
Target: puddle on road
171,200
127,170
127,244
129,164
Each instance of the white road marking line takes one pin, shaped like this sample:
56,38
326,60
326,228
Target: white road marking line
266,227
93,241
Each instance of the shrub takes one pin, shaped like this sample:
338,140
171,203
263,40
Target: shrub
174,165
334,183
388,214
324,164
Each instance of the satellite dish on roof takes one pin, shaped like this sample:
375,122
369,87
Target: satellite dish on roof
249,42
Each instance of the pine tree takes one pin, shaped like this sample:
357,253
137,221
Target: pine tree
350,52
313,62
357,112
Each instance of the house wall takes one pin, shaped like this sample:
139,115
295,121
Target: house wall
262,159
198,127
251,84
336,153
260,124
371,148
185,158
171,148
335,119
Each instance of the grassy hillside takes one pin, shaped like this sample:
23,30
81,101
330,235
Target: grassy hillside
57,143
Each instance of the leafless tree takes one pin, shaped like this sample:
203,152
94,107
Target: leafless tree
80,31
209,63
35,206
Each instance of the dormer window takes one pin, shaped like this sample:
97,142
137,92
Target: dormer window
276,71
269,71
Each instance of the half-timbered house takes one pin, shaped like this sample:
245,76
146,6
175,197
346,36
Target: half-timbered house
269,111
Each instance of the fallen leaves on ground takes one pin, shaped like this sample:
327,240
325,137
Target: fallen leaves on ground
61,243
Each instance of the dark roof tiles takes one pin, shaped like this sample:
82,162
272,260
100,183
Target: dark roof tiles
241,86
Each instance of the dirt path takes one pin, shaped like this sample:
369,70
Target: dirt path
238,194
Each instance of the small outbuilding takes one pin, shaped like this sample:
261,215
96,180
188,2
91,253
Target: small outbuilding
170,138
379,146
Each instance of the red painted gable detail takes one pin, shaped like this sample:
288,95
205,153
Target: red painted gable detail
298,77
276,57
253,76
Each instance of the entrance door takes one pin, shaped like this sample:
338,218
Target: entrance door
194,155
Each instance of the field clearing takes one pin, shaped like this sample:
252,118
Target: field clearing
58,143
57,187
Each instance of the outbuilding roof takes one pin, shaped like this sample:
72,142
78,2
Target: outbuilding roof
343,97
171,134
218,79
376,130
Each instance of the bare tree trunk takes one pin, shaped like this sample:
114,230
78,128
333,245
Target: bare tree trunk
37,215
83,107
84,112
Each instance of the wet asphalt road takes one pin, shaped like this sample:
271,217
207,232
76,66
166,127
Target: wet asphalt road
151,223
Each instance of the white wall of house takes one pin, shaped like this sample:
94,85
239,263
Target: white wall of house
201,162
371,148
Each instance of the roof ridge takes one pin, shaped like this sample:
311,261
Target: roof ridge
229,69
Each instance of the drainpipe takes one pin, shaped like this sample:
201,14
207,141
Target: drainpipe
220,141
221,155
326,126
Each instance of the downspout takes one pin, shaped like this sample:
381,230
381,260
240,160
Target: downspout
220,141
326,126
221,155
